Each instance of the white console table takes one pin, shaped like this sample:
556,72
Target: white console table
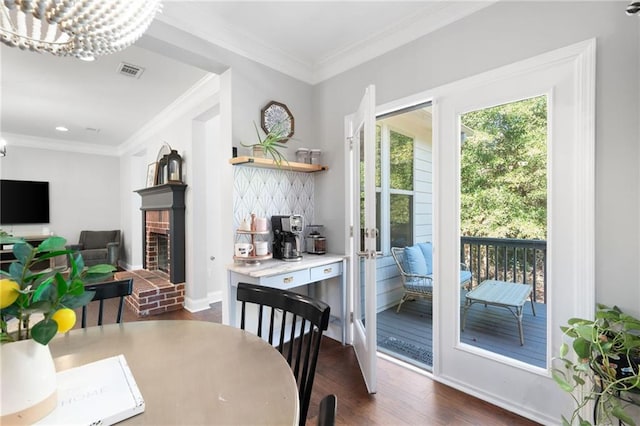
286,276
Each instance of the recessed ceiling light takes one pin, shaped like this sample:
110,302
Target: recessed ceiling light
88,58
62,129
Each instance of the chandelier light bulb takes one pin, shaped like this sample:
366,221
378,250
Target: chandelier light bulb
80,28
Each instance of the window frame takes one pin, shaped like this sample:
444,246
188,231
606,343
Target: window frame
384,191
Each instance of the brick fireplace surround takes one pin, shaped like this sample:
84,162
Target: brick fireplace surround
156,291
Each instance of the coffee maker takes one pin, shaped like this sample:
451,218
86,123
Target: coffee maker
287,232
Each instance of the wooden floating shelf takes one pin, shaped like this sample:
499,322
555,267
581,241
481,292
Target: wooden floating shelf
270,164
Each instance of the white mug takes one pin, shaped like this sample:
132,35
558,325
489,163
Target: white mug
243,249
262,248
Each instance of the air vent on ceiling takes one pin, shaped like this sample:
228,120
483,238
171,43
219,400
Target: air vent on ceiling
130,70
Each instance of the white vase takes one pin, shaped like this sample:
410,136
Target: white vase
28,382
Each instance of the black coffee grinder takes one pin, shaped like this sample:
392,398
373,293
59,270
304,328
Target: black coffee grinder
287,231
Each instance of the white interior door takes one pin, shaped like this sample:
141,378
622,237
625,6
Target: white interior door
566,78
360,131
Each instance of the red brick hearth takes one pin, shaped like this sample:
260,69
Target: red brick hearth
153,293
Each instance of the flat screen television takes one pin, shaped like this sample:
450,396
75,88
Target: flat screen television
23,202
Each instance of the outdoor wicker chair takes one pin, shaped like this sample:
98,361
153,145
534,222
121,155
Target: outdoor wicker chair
420,284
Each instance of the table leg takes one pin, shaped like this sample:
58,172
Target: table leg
519,317
467,305
533,308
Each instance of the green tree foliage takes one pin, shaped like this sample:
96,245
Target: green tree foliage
504,171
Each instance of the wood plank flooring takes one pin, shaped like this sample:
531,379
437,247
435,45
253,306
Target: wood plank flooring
404,397
492,328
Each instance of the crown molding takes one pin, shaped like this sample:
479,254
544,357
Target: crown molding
27,141
247,46
206,89
429,20
436,16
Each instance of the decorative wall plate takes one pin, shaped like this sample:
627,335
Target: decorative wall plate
274,114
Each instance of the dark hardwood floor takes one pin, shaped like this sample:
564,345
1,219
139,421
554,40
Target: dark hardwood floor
404,397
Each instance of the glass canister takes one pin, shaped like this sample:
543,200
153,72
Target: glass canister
302,155
314,156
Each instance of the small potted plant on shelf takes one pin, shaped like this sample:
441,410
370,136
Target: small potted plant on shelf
605,366
270,143
35,304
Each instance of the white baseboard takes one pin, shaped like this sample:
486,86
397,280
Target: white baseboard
521,410
193,305
197,305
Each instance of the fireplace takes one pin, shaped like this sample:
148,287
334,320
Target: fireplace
163,216
160,286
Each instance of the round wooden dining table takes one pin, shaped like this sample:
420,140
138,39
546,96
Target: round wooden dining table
191,372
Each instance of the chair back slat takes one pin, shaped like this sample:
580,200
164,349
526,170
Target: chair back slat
303,345
108,290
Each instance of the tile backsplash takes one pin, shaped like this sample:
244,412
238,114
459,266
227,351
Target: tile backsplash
268,192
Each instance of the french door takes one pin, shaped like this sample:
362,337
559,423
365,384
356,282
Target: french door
360,134
566,78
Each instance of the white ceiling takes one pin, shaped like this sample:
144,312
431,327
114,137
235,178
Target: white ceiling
309,40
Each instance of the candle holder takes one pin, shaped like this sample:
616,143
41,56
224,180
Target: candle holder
174,167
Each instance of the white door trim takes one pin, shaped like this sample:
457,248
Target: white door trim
582,55
567,76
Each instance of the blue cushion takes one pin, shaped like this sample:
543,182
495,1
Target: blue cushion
464,276
414,261
427,252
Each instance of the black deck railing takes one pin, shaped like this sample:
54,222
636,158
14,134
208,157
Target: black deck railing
507,259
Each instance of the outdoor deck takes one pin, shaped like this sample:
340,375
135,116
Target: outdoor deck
408,335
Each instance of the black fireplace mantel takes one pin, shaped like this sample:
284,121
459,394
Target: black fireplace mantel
169,197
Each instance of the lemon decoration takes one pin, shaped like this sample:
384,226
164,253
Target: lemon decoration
8,292
65,318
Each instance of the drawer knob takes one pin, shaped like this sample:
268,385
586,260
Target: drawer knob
328,270
288,280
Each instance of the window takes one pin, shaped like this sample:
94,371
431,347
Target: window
394,187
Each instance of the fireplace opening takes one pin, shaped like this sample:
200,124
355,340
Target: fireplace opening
163,252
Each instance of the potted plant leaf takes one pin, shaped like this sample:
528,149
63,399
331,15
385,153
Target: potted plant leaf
270,143
603,367
35,305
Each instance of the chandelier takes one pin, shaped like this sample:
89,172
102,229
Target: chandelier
84,29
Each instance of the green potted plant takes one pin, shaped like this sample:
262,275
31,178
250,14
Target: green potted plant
270,143
34,306
603,367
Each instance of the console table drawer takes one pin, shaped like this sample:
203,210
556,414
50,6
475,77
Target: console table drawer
287,280
326,271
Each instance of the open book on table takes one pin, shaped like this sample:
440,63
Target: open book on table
100,393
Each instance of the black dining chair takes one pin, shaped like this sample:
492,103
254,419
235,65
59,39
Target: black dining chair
301,345
108,290
328,408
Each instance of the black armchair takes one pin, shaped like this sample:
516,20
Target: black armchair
98,247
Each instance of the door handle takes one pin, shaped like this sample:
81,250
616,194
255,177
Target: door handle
364,254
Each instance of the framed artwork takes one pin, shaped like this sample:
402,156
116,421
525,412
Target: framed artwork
151,174
277,114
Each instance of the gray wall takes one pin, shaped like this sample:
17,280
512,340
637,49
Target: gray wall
83,189
498,35
253,85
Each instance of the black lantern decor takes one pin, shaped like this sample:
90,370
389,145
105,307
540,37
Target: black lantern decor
163,165
174,167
